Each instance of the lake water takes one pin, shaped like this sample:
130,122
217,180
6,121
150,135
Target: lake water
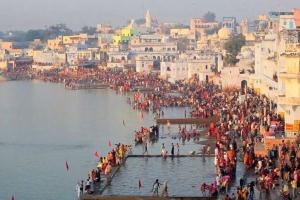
184,176
42,125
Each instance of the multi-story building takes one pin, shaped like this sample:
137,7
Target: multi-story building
229,23
180,32
203,65
297,17
144,64
155,47
199,26
104,28
55,44
6,45
43,60
266,66
74,39
289,100
277,67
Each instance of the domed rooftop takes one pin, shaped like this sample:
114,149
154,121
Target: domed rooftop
249,37
224,33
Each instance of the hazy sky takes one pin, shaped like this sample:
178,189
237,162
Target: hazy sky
26,14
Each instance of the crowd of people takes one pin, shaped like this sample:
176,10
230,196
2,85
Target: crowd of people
145,135
105,168
242,114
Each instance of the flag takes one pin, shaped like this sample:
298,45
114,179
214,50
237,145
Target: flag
142,116
140,184
67,166
243,117
109,143
13,197
97,154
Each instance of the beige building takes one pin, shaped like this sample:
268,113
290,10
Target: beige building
190,64
180,33
199,26
144,64
6,45
43,60
55,44
74,39
265,79
289,101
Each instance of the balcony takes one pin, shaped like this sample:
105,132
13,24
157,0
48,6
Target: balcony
282,99
286,75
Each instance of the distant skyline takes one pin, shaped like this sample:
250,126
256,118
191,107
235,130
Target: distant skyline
32,14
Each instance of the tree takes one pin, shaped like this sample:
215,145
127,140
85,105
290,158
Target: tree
89,30
182,44
209,16
57,30
212,30
233,47
35,34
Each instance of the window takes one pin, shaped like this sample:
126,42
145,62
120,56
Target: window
205,66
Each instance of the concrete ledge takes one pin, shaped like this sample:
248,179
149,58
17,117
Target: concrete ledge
187,120
169,156
89,197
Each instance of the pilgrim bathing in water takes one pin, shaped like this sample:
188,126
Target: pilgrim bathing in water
155,187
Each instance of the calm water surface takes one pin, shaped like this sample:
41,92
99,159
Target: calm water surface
42,125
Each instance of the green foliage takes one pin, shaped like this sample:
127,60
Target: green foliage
209,16
233,47
212,31
42,34
89,30
182,44
35,34
57,30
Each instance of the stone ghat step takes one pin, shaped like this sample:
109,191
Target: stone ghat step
175,156
98,197
187,120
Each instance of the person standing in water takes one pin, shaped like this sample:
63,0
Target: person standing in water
164,192
163,149
155,187
81,188
169,126
145,148
172,151
177,145
78,190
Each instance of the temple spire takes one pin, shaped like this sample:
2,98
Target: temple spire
148,20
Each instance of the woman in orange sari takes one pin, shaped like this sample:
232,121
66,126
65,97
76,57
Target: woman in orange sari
246,160
231,154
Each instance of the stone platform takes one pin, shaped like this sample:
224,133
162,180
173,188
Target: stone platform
89,197
206,121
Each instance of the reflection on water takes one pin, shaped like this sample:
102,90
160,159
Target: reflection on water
184,176
46,146
42,125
